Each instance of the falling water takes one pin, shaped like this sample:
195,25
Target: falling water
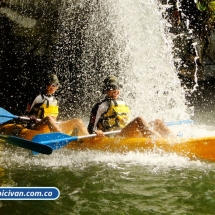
121,37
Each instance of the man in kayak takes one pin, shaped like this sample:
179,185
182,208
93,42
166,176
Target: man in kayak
43,114
45,107
112,114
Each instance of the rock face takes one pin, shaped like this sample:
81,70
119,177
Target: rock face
27,32
193,39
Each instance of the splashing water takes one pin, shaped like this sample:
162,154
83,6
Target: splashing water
124,38
153,87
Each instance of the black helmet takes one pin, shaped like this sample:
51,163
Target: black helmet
52,79
110,83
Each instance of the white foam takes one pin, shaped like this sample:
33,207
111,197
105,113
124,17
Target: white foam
155,160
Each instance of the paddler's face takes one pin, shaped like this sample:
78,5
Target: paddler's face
51,89
113,93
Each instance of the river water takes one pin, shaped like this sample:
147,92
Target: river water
94,182
134,183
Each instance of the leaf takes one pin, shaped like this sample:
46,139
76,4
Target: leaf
211,5
201,6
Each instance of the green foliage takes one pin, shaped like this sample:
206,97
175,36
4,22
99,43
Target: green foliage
201,5
207,7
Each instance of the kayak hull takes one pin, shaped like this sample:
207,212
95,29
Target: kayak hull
19,131
195,148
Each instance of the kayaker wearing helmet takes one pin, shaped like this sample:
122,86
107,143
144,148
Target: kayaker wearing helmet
112,114
45,107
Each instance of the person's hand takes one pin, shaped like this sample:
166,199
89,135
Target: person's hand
33,119
51,119
99,133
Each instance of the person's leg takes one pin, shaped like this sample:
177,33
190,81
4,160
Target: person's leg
159,126
138,128
47,124
68,126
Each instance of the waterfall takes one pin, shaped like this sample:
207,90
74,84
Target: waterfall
126,38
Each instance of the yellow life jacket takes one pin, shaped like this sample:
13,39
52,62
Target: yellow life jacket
116,117
48,108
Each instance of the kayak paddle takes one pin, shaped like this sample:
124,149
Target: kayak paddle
180,122
57,140
26,144
7,116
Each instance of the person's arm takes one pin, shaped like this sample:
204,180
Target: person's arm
92,118
32,113
37,100
102,109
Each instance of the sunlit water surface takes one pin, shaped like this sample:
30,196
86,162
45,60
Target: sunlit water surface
94,182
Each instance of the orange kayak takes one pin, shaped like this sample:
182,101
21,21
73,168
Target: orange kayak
195,148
